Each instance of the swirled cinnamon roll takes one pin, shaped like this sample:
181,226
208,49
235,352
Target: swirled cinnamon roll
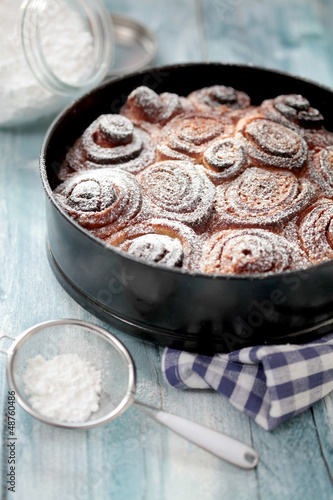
178,190
219,99
317,138
292,109
103,201
295,111
321,170
143,105
272,144
250,251
262,198
190,135
110,141
316,232
162,241
224,159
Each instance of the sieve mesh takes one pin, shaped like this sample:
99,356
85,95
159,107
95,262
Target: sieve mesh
60,337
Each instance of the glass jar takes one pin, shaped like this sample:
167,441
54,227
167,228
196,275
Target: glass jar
50,51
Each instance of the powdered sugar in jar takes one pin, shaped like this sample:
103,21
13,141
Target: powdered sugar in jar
50,51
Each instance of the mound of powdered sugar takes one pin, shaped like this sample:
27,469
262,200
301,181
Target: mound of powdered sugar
65,388
67,45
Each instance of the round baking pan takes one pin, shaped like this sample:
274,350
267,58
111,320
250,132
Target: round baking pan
192,311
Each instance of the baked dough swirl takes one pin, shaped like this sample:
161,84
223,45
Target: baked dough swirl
295,111
178,190
292,109
162,241
103,201
316,232
262,198
224,159
190,135
321,170
144,105
250,251
272,144
219,99
110,141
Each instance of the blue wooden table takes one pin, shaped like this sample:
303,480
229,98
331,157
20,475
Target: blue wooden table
133,458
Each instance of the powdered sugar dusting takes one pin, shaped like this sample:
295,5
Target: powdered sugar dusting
115,153
273,144
292,109
262,198
134,152
114,200
250,251
219,99
316,232
321,171
87,196
158,248
224,159
191,134
161,241
111,143
178,190
143,104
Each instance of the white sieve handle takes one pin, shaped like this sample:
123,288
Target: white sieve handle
218,444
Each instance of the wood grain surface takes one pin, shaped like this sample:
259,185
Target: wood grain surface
133,458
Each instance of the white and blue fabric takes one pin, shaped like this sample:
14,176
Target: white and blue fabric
268,383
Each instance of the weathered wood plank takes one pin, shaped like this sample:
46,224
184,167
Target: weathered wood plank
291,461
323,420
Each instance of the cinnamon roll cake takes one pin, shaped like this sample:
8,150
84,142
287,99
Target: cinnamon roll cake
207,182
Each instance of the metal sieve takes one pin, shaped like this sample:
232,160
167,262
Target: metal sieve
107,354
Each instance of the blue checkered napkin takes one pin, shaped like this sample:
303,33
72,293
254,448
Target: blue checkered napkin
268,383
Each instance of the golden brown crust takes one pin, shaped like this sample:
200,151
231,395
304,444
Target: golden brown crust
272,144
265,198
102,201
292,110
110,141
178,190
315,232
162,241
225,159
296,112
189,135
219,99
250,251
320,171
151,111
